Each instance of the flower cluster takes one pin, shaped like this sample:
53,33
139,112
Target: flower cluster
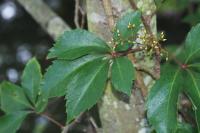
144,40
151,44
119,41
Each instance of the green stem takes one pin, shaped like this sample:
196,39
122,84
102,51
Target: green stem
125,53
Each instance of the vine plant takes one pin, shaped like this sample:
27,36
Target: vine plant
83,63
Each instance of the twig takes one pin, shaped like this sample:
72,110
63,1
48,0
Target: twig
139,79
78,10
141,85
76,14
146,25
108,10
124,53
153,76
83,13
66,128
83,20
52,120
93,123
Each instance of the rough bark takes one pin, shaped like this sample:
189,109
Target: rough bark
42,14
119,115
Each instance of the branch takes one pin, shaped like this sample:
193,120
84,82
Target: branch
52,120
78,9
153,76
44,16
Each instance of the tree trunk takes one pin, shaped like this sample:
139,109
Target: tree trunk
120,114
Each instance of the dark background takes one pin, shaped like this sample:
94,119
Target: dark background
22,38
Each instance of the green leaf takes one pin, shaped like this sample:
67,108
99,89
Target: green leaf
31,79
133,18
159,2
174,49
192,44
76,43
162,100
123,75
173,5
193,92
13,98
192,18
10,123
41,103
184,128
124,36
86,87
123,46
57,75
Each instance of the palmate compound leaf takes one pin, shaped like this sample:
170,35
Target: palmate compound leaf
123,74
162,100
31,79
16,98
10,123
191,86
76,43
126,30
86,87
